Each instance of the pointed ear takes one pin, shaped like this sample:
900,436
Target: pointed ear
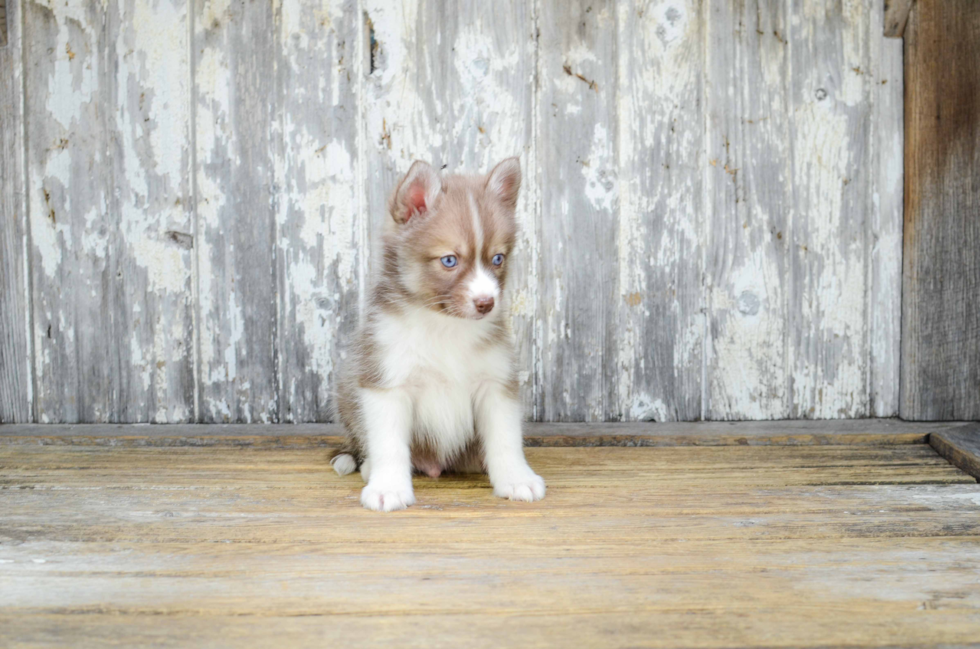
504,182
416,193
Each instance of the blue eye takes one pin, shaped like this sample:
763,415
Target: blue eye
497,259
448,261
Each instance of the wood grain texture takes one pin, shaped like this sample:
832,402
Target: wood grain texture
961,446
749,184
235,50
69,92
109,174
878,432
658,369
709,214
887,181
896,17
150,240
319,216
828,240
16,380
714,547
790,94
578,371
941,279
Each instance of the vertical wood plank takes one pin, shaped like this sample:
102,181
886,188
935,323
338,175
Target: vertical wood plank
578,230
108,160
749,196
660,129
150,246
319,213
16,388
789,294
69,185
885,296
234,104
941,278
452,83
829,243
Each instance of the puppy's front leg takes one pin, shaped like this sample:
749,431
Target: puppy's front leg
498,422
388,423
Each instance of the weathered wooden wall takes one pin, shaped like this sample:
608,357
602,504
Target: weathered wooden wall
941,314
711,212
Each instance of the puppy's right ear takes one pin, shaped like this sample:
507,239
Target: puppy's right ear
416,193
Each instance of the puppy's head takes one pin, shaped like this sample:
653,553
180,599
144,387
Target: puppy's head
451,237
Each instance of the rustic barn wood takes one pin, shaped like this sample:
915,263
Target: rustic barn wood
747,547
941,318
74,233
749,192
16,387
830,229
579,367
151,229
791,306
109,182
842,432
885,287
710,214
318,211
656,371
961,446
234,95
896,17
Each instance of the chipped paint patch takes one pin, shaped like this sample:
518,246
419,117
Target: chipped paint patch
643,408
599,172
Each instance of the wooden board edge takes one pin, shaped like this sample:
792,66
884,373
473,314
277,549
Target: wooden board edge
869,432
961,446
896,17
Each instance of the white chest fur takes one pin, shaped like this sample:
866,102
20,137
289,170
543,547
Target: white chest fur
441,363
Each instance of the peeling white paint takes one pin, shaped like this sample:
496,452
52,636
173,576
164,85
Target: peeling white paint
798,261
599,172
643,408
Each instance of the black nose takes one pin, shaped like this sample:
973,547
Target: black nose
483,304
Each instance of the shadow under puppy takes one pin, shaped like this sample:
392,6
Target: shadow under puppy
430,382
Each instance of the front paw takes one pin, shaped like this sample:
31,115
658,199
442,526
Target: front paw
525,486
384,496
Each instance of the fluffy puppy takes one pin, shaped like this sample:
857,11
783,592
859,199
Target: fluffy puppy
430,382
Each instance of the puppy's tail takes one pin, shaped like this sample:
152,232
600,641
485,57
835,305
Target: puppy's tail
343,464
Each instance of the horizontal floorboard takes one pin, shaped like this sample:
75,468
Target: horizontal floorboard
723,546
713,433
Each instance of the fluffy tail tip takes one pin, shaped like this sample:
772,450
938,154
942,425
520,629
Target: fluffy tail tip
344,464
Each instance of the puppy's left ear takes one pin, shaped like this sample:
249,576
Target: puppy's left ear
504,182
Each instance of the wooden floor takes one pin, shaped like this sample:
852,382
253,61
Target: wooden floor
697,546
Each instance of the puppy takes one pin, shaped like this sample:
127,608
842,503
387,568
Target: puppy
430,382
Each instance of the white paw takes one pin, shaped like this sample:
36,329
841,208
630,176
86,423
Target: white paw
525,486
384,496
